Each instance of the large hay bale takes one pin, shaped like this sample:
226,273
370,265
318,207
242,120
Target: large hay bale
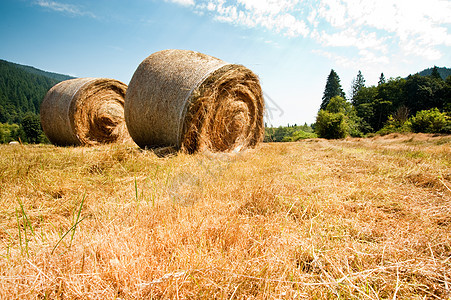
195,102
85,111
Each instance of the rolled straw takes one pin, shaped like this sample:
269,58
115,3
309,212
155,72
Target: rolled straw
85,111
194,102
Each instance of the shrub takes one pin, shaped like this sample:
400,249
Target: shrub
10,132
289,133
301,135
331,125
352,123
32,127
395,125
430,121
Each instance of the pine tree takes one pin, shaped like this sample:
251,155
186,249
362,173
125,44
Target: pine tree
435,74
332,89
381,79
357,84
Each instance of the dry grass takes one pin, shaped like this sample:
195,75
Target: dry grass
348,219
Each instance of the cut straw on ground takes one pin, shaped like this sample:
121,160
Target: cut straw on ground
317,219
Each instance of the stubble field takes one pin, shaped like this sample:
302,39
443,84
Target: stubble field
317,219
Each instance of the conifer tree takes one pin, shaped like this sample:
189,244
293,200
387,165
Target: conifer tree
381,79
332,89
435,74
357,84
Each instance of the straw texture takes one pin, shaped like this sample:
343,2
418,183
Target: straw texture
194,102
85,111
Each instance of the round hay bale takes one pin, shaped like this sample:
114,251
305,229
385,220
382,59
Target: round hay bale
85,111
194,102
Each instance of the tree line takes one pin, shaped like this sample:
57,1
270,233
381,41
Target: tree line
416,103
290,133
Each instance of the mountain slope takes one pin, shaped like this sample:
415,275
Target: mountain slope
444,72
33,70
22,89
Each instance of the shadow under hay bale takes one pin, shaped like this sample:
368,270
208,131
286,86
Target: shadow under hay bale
85,111
194,102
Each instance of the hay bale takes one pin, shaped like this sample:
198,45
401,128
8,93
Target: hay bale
85,111
194,102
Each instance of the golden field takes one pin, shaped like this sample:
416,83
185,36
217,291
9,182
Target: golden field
316,219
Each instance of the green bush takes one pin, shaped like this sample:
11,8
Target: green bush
10,132
331,125
32,127
288,134
430,121
394,125
302,135
352,123
299,135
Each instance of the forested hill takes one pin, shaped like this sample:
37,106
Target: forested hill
444,72
22,89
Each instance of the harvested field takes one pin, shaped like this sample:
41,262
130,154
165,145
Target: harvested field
316,219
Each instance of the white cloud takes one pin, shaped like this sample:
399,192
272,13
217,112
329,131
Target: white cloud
416,26
182,2
352,38
292,26
312,18
271,7
371,58
64,8
339,59
333,12
367,58
426,51
211,6
384,28
274,15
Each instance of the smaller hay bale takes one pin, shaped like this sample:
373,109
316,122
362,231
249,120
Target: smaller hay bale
194,102
85,111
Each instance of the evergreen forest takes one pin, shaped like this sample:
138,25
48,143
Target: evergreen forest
418,103
22,89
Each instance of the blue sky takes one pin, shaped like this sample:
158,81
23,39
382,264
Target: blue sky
291,44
